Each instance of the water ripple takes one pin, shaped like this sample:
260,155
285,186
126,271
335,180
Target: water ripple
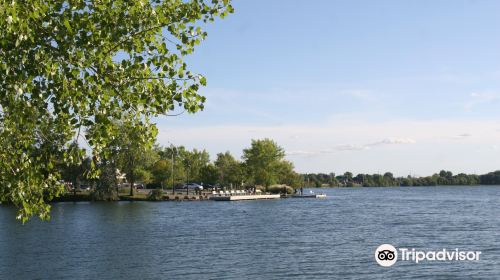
278,239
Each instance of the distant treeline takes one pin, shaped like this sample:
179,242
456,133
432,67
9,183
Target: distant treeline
388,179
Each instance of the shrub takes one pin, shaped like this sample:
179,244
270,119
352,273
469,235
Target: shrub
156,195
102,194
106,186
280,189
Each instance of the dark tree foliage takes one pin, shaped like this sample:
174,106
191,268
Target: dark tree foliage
443,178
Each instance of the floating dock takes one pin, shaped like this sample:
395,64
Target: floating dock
309,196
244,197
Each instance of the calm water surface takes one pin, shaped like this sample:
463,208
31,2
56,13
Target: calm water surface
279,239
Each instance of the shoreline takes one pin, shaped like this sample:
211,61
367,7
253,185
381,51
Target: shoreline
86,197
168,196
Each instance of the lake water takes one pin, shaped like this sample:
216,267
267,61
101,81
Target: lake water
276,239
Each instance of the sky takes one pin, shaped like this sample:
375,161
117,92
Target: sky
411,87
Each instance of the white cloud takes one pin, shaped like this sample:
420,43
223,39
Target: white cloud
462,136
302,153
479,98
352,147
393,141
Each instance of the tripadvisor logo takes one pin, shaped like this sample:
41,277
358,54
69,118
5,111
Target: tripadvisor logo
387,255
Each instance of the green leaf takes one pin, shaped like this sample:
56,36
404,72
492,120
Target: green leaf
68,26
203,81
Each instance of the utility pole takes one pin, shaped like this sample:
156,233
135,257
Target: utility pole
173,163
187,179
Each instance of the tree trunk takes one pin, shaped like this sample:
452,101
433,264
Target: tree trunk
115,180
132,181
132,185
75,184
132,175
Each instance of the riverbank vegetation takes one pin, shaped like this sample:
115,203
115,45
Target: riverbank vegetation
443,178
262,164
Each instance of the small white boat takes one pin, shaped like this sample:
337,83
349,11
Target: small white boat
309,195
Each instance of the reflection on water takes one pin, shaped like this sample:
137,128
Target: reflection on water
276,239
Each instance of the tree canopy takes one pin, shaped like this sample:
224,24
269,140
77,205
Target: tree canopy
68,67
265,165
230,171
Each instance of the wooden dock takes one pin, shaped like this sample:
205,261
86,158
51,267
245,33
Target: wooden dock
244,197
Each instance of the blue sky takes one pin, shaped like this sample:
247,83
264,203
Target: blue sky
411,87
